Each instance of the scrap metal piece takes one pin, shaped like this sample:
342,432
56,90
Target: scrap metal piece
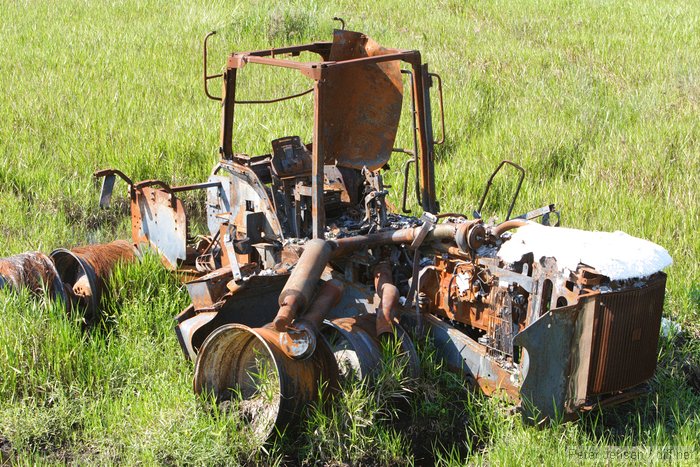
110,177
34,271
290,158
389,297
106,191
158,220
429,221
591,350
548,345
465,356
252,302
229,237
207,290
358,349
241,193
85,272
362,104
535,213
625,336
247,366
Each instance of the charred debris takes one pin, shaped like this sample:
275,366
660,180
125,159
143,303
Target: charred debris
306,267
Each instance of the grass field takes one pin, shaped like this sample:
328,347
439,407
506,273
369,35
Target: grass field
599,100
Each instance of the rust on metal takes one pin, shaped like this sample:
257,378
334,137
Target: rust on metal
302,282
299,339
625,337
358,348
362,105
273,389
85,272
158,220
388,297
32,270
105,257
304,268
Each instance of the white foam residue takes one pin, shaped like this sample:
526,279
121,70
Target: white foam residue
670,328
613,254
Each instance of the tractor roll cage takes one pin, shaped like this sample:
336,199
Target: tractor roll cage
368,132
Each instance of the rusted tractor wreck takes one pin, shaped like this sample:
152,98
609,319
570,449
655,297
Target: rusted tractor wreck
305,267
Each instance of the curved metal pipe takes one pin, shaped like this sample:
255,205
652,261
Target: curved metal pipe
32,270
503,227
85,272
302,282
389,297
299,340
327,297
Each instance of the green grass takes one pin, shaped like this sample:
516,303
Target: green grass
598,100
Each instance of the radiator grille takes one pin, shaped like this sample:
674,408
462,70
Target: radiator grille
625,337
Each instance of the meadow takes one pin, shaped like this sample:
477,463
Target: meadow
599,100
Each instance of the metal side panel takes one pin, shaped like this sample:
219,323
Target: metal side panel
465,356
159,224
244,193
549,353
255,304
362,104
218,202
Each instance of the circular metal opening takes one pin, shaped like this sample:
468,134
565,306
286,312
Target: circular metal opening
237,366
73,271
359,353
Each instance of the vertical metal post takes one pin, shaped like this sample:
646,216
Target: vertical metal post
425,162
227,103
429,138
318,212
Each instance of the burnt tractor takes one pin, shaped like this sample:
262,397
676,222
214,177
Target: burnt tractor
306,267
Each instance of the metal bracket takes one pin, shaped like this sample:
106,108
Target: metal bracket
163,185
535,213
429,221
208,77
231,253
110,178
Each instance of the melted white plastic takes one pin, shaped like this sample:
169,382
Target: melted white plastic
613,254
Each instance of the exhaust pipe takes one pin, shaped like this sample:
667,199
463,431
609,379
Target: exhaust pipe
302,282
299,340
388,295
